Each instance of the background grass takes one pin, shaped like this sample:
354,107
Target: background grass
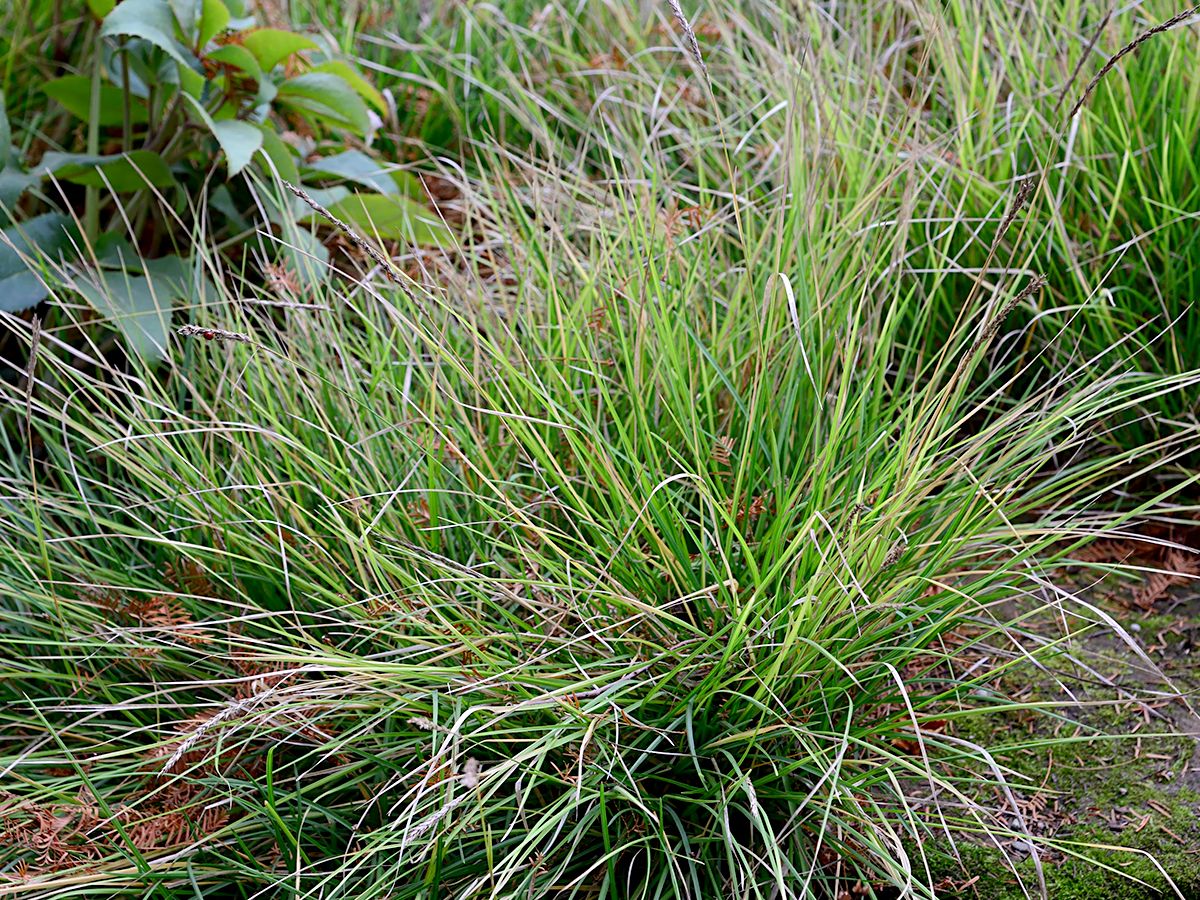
673,532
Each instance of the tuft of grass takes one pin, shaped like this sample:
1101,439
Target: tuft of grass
669,535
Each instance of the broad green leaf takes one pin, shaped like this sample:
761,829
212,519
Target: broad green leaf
113,251
126,283
290,209
294,209
239,58
139,307
279,157
305,255
222,201
409,184
21,291
327,97
135,52
187,14
43,236
101,8
214,17
192,82
5,134
180,279
173,277
74,92
13,183
390,218
131,171
151,20
356,166
355,79
239,140
272,46
327,197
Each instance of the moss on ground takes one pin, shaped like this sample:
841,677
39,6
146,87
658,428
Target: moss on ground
1122,810
1105,874
1097,862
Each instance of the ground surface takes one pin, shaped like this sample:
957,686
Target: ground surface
1117,807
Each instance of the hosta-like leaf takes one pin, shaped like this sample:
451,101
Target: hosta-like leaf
43,236
327,197
74,93
173,277
391,217
354,78
280,158
193,83
151,20
239,140
180,279
222,201
113,251
356,166
409,184
131,171
13,183
327,97
305,255
187,14
271,46
214,16
138,307
238,57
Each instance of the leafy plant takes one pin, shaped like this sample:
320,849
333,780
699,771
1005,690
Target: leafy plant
171,86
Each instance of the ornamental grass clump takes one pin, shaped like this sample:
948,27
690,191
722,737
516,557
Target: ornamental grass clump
606,555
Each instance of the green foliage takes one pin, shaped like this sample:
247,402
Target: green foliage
140,313
74,93
5,135
173,82
677,530
21,285
270,46
388,217
120,172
